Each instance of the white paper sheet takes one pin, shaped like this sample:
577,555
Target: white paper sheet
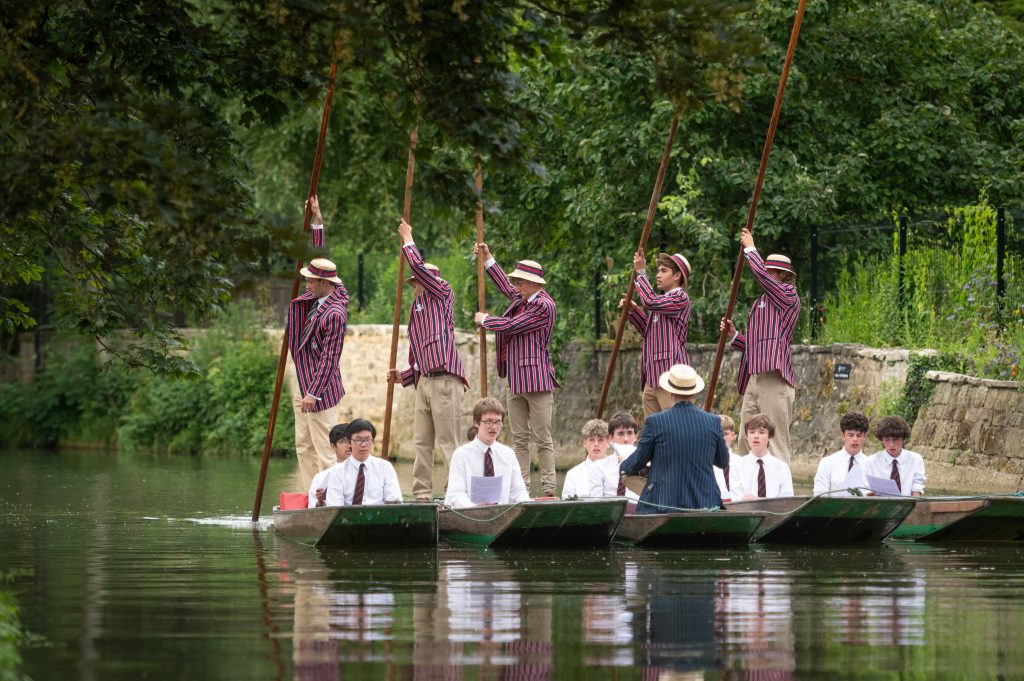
485,490
883,486
855,478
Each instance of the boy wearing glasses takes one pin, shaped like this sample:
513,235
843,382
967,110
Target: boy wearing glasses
485,457
363,480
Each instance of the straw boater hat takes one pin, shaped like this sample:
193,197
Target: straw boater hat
528,270
778,262
434,269
681,379
682,263
321,268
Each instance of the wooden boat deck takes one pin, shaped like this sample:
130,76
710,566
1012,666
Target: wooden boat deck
994,519
688,529
385,525
543,524
827,520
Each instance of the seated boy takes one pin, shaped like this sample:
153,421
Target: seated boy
362,480
485,457
835,469
902,466
723,476
598,474
623,428
760,475
339,442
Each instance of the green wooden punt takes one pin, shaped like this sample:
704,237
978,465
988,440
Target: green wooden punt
687,529
385,525
993,519
535,524
824,521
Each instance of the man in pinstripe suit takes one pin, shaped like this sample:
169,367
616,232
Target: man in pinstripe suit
522,336
434,367
316,334
662,321
682,444
766,378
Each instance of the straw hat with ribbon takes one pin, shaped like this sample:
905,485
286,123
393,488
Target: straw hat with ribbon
433,269
681,379
528,270
321,268
778,262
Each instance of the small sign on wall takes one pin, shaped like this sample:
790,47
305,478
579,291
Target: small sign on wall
842,372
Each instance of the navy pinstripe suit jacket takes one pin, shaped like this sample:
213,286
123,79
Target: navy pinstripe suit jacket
681,444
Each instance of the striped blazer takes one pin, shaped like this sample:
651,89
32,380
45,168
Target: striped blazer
681,444
431,324
766,344
662,323
522,336
316,344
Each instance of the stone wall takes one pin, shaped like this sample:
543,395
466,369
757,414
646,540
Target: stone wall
972,429
969,433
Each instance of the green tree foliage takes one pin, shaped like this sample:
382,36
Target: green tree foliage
120,165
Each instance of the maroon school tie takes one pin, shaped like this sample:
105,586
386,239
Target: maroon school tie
621,489
725,474
895,476
357,495
849,467
762,487
488,464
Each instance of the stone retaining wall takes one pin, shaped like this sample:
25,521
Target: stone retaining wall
970,433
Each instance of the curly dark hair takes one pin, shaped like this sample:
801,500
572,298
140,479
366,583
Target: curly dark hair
854,421
892,426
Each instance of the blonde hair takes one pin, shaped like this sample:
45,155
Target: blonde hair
595,428
727,423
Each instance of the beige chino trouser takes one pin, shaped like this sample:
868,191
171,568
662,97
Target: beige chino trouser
529,414
768,394
655,399
436,419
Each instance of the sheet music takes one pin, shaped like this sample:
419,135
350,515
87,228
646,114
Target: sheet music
485,490
883,486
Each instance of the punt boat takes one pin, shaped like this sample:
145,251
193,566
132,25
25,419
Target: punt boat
825,520
535,524
383,525
989,519
686,529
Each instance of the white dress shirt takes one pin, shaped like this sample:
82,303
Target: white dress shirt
910,465
468,461
727,492
833,471
777,477
319,482
381,482
592,479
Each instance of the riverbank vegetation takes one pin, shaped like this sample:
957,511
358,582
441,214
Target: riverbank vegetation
140,194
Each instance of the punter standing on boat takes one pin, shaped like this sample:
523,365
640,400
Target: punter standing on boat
485,457
316,334
434,367
522,336
766,378
662,320
681,443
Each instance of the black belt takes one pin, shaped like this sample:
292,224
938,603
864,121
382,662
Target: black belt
435,374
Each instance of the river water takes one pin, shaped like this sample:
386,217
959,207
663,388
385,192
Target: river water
146,567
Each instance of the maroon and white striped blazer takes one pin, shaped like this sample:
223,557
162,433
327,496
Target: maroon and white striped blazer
770,327
522,336
663,325
316,345
431,324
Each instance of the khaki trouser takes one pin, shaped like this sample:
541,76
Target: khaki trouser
312,436
438,403
770,395
656,399
530,413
